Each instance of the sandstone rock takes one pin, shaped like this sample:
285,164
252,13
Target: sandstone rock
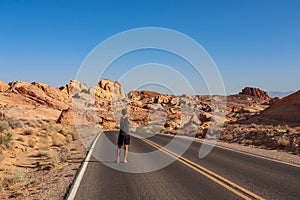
58,140
162,99
112,87
174,101
3,86
40,94
107,90
204,116
66,117
256,92
283,111
173,124
78,117
73,87
218,119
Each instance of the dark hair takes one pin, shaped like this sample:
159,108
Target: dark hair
124,112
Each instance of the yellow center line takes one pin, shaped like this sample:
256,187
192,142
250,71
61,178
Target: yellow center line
206,172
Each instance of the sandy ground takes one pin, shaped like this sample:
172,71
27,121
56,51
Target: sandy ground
272,154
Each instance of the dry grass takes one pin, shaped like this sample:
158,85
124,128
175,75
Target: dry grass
39,154
41,147
6,139
14,124
9,180
28,132
31,143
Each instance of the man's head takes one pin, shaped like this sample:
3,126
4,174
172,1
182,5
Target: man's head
124,112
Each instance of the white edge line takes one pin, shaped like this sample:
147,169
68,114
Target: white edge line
78,180
233,150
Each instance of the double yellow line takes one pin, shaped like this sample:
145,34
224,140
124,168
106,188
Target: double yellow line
236,189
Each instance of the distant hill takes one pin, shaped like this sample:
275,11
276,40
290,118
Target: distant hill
285,110
279,94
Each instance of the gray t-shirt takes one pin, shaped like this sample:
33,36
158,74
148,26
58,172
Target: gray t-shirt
124,125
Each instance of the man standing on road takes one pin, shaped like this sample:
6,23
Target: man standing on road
124,137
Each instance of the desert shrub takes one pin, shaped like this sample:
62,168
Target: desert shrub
15,124
63,154
43,144
32,124
2,129
73,149
43,134
31,143
20,139
9,180
6,139
41,154
283,141
28,132
226,137
4,124
247,141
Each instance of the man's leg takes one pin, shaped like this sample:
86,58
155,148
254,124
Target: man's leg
125,152
118,153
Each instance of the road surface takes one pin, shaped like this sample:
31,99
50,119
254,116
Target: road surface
223,174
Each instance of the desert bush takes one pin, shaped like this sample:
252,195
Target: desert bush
6,139
247,141
226,137
4,124
43,134
73,149
31,143
15,124
9,180
283,141
2,129
41,154
43,144
63,154
20,139
28,132
32,124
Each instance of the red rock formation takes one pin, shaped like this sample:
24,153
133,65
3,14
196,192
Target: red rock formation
40,94
3,86
256,92
73,87
285,110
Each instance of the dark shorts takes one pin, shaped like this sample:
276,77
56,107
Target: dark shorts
123,139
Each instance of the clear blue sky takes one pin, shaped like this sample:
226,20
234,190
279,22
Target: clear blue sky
254,43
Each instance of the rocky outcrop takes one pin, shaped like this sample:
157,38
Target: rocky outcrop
74,87
286,110
3,86
70,117
256,92
39,94
66,117
107,90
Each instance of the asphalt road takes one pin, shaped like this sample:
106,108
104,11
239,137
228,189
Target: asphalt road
222,174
